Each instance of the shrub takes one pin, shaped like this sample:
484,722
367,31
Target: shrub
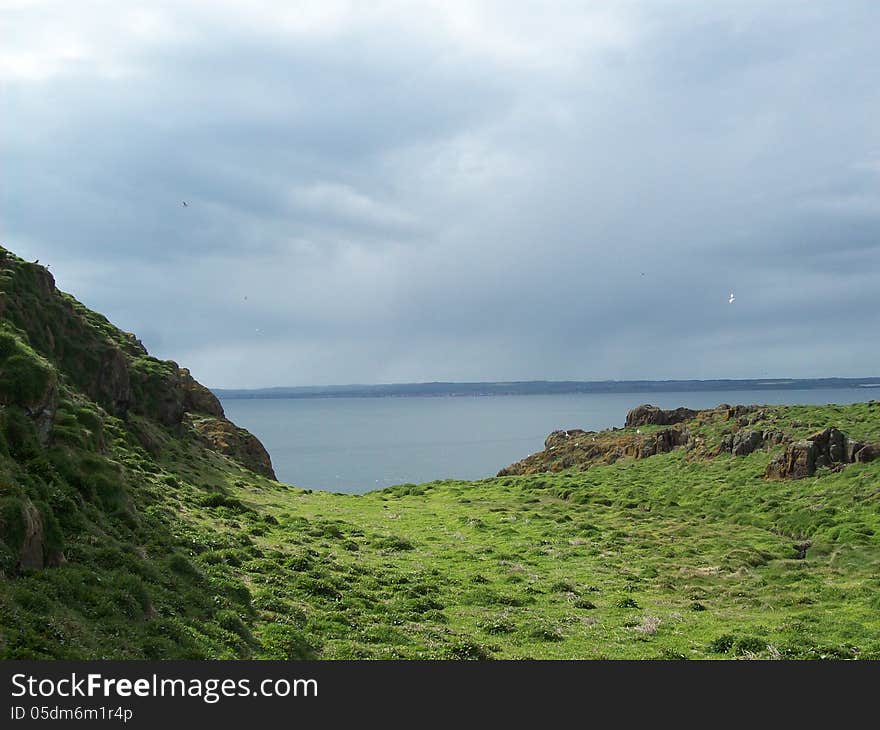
749,645
722,644
223,500
180,564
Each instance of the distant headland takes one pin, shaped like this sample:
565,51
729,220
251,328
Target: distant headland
543,387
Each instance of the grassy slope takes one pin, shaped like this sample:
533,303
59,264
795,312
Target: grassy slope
574,564
187,554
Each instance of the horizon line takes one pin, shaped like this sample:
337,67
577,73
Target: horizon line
766,380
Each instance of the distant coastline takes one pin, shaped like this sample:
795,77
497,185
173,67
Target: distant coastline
541,387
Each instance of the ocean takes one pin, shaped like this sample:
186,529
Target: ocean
355,445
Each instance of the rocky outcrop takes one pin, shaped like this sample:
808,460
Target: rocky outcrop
111,383
110,367
830,447
23,527
868,452
747,441
659,442
577,448
43,413
197,398
237,443
648,415
698,433
796,462
30,555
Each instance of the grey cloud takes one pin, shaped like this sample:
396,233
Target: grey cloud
464,192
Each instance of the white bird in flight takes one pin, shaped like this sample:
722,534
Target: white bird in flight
732,298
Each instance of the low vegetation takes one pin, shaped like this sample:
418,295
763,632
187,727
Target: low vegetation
125,535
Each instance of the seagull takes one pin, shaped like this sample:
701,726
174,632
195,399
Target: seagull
732,298
185,204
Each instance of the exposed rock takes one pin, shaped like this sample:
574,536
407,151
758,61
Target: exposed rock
801,549
566,449
659,442
582,449
197,398
852,448
30,555
869,452
111,383
237,443
43,413
745,442
559,438
648,415
796,462
830,447
748,440
737,412
158,391
773,437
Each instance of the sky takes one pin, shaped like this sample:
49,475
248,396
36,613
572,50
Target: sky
459,191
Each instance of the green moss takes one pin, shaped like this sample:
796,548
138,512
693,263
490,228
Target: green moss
12,524
24,377
19,434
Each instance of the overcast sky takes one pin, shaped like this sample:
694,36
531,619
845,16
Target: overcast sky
414,191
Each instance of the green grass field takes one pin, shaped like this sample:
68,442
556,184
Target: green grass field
657,558
665,557
150,544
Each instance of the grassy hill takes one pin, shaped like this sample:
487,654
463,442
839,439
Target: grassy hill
136,521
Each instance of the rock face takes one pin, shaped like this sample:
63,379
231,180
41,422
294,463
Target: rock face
30,555
111,384
692,430
43,413
109,366
22,525
648,415
830,447
747,441
197,398
237,443
744,442
796,462
565,449
869,452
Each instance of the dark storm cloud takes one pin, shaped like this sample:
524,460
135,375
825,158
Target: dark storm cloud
469,190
